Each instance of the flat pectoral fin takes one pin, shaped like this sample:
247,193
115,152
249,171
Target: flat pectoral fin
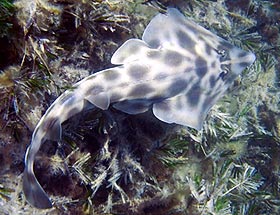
133,106
178,110
131,50
101,100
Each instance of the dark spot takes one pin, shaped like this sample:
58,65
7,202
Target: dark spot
212,81
178,86
201,67
163,106
242,54
208,49
185,41
94,90
49,123
243,65
154,43
193,95
111,75
173,58
137,72
154,54
213,65
141,90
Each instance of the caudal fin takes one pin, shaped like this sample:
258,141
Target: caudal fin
34,193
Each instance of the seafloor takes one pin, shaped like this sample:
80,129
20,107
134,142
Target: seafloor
109,162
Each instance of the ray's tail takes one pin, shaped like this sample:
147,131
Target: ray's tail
48,128
33,191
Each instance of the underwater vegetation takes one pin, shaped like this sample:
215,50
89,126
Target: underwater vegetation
109,162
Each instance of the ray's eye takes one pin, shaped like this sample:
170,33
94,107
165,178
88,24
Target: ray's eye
223,74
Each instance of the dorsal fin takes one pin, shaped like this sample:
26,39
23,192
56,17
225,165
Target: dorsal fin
131,50
100,100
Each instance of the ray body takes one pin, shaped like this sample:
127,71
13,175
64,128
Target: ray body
179,69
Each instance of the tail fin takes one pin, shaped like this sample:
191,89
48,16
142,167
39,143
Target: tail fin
33,191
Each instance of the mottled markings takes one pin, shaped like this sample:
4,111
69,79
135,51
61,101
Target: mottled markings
154,43
173,58
141,90
193,95
201,66
185,41
111,75
138,72
177,87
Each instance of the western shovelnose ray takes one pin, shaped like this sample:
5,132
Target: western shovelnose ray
179,69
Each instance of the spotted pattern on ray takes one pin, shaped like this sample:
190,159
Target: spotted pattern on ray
138,72
178,68
173,58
